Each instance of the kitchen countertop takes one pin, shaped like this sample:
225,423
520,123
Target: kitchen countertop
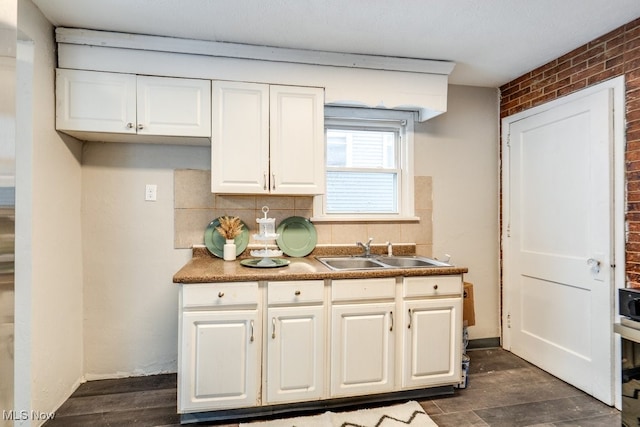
205,268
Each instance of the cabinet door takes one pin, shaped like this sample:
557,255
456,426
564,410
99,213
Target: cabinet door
295,353
362,349
432,342
219,360
173,106
95,101
240,138
297,140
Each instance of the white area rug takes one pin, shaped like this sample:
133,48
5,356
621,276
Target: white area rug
408,414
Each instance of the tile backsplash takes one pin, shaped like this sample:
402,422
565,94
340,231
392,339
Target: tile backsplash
195,207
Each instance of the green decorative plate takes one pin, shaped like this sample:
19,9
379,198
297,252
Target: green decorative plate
297,236
255,262
215,242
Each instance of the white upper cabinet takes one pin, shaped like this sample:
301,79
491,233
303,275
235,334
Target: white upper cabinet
267,139
95,102
240,138
297,140
170,106
128,108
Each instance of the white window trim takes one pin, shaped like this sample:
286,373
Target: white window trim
406,205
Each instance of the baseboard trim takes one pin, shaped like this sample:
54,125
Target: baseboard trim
483,343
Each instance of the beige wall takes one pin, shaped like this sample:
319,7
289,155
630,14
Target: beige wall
130,302
459,150
49,288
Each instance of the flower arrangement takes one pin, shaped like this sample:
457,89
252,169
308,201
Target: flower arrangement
230,227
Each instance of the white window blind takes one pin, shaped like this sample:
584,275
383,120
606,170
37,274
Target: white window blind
362,170
368,174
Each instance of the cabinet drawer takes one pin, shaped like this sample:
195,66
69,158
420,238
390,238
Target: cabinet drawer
363,289
432,286
219,294
308,291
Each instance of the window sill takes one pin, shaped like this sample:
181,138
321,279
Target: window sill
342,219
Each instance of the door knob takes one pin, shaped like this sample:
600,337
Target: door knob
594,264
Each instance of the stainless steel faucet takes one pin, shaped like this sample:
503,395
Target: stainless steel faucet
366,247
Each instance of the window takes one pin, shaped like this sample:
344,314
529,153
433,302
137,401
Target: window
368,172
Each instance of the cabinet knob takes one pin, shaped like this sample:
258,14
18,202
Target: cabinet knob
220,294
435,286
297,293
140,126
129,125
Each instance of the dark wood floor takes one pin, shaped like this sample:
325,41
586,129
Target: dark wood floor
504,391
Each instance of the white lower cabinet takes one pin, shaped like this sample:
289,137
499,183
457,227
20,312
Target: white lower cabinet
432,324
219,347
432,342
295,341
362,349
362,336
250,344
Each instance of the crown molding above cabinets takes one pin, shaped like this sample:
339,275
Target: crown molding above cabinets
349,79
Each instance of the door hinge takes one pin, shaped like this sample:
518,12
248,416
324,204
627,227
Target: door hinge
508,230
509,321
509,140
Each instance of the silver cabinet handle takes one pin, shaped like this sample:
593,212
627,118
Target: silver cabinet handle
264,180
251,338
220,294
129,125
273,328
140,126
296,293
409,324
391,327
273,184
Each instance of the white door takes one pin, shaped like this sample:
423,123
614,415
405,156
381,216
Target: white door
431,350
220,360
295,353
362,349
558,278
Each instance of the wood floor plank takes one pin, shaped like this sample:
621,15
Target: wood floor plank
126,385
502,388
138,418
99,404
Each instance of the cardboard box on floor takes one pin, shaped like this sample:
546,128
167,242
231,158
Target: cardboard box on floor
468,312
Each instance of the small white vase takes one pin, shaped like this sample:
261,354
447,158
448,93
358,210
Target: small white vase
229,250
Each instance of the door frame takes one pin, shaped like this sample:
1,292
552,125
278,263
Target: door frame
617,87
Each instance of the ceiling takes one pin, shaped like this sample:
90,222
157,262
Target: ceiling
491,41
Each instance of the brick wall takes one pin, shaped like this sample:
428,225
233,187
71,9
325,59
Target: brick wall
611,55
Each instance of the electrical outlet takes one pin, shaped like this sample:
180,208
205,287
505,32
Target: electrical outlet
150,192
